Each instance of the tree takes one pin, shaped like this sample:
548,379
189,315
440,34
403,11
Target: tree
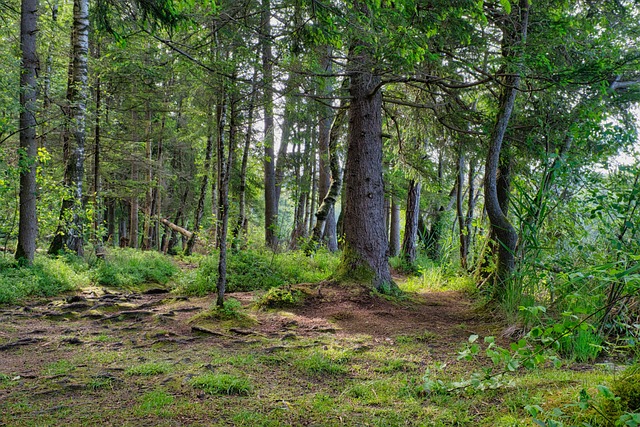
514,35
28,225
69,234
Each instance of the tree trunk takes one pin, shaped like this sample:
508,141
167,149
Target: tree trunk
28,225
411,223
364,258
223,199
514,37
394,228
270,198
462,230
69,233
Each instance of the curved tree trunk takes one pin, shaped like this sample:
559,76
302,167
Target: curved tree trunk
28,226
411,223
514,37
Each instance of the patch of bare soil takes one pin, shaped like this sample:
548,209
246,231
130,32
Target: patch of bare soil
103,332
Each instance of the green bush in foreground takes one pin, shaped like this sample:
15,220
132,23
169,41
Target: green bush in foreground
254,269
47,277
130,267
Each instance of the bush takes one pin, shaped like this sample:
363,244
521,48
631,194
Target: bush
47,277
130,267
252,269
280,297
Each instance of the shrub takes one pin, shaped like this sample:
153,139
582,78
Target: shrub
47,277
280,297
130,267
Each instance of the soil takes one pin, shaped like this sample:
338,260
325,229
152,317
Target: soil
37,335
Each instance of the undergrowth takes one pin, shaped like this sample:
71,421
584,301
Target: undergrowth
129,267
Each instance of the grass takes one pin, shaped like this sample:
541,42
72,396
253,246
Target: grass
148,369
224,384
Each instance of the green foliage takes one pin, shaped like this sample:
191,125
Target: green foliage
47,277
225,384
154,401
626,389
149,369
253,269
323,362
280,297
130,267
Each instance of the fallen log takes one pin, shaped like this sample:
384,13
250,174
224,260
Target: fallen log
177,228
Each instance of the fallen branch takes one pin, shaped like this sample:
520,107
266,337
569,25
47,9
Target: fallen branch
177,228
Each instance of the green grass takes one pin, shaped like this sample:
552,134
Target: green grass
224,384
61,367
148,369
155,402
323,362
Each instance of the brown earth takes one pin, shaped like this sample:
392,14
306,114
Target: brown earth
104,330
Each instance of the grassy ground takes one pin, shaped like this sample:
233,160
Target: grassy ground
342,358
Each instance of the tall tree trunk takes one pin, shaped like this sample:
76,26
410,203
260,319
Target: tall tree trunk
409,242
28,225
97,182
270,197
224,166
514,38
364,258
394,228
69,233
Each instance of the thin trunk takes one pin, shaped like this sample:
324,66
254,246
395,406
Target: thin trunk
514,38
223,199
394,237
462,230
314,190
28,225
270,197
97,183
411,222
148,149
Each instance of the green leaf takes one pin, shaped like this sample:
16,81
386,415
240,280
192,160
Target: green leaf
506,5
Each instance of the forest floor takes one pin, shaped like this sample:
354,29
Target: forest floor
344,357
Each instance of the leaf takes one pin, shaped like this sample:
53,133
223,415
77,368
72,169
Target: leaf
473,338
506,4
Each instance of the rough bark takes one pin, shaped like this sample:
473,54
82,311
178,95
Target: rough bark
28,225
394,228
69,233
409,244
364,258
224,166
270,197
514,37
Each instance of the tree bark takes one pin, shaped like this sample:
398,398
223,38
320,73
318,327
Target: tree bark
224,166
270,197
69,234
514,38
28,223
411,223
394,228
364,258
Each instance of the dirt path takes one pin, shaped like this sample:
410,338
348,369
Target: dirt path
55,351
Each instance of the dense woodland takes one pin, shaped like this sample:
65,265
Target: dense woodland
494,140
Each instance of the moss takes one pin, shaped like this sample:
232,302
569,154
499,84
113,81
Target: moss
627,388
353,269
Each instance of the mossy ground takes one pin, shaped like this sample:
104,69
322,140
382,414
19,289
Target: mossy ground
342,358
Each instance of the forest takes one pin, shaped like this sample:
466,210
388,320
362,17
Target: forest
314,212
